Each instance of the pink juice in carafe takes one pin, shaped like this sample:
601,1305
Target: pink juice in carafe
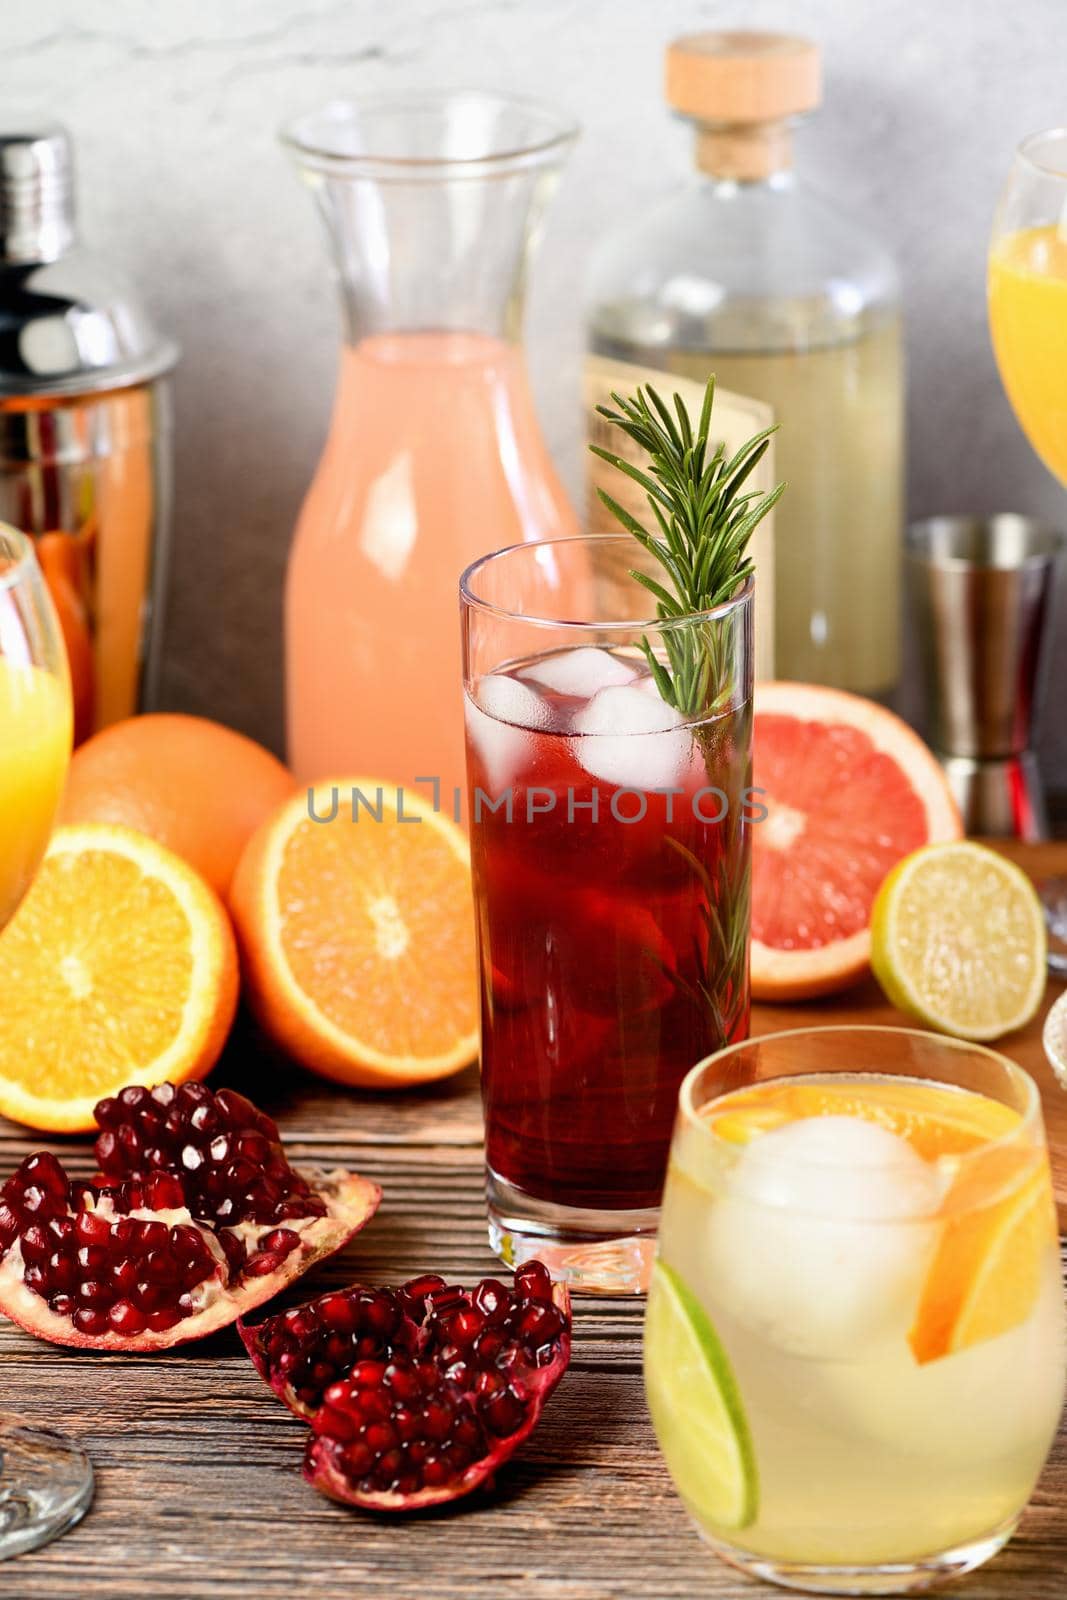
434,456
604,829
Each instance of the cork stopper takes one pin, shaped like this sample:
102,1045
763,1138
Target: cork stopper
743,89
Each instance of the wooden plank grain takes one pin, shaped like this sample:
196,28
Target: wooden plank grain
200,1495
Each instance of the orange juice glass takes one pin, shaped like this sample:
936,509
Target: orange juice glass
35,718
45,1479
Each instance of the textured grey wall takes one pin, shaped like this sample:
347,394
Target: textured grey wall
175,104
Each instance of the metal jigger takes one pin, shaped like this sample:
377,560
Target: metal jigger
981,589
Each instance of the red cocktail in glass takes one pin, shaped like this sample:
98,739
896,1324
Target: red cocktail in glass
610,847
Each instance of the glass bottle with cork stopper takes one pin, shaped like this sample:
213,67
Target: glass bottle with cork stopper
748,274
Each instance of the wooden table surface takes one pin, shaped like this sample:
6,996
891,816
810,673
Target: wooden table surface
199,1493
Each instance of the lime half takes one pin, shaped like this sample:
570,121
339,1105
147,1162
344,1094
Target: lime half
696,1407
958,940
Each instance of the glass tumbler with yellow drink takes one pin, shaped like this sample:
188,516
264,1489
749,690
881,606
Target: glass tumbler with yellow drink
854,1346
46,1483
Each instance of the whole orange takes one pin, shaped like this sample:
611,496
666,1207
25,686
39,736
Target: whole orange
192,784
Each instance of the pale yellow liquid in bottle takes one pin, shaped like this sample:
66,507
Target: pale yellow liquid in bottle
838,526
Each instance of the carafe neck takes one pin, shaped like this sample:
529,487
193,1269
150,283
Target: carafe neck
432,207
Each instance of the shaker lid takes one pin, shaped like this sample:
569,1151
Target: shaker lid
744,77
69,324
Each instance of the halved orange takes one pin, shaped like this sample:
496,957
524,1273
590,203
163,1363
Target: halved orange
119,967
357,935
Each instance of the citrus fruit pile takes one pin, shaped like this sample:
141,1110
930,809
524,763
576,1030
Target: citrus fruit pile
121,965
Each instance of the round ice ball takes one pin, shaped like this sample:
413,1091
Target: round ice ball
823,1236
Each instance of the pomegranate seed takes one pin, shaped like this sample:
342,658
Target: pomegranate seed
502,1413
261,1265
337,1312
406,1424
92,1229
281,1241
467,1433
403,1381
532,1281
465,1327
539,1323
125,1318
88,1320
380,1315
419,1288
45,1170
488,1346
373,1404
380,1436
437,1420
36,1244
93,1293
367,1374
358,1459
490,1297
338,1424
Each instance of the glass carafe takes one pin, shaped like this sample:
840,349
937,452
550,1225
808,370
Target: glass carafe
434,453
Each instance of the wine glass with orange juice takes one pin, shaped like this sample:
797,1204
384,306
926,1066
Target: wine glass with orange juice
1028,323
46,1483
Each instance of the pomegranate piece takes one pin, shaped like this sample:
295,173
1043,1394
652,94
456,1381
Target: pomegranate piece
191,1223
416,1395
226,1151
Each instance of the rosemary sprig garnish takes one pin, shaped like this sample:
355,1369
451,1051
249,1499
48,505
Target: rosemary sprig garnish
704,524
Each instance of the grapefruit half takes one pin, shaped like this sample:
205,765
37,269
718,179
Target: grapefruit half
849,790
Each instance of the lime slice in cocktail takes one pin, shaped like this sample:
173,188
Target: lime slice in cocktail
696,1407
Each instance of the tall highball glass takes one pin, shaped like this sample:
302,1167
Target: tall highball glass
610,837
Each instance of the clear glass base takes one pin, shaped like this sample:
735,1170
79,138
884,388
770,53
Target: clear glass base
891,1577
46,1486
592,1251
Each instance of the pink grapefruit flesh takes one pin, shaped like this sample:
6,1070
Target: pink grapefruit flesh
849,790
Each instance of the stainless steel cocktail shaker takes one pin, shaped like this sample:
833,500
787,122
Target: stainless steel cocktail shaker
84,430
